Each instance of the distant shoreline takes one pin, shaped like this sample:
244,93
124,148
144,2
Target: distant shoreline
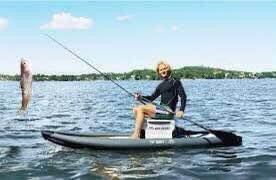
188,72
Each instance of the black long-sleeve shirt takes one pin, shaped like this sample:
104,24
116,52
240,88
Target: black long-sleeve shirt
170,89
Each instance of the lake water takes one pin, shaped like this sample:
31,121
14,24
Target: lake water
246,106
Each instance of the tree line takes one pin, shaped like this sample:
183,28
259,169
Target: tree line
188,72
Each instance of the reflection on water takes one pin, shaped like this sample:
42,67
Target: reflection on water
150,164
134,164
225,159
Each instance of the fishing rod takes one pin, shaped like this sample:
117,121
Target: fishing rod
142,99
86,62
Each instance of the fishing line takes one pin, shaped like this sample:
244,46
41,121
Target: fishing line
86,62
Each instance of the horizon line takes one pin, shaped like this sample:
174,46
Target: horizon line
74,74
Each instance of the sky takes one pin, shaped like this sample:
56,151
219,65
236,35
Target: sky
122,36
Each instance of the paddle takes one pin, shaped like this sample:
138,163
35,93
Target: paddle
227,138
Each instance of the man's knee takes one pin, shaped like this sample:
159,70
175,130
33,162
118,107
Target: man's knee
140,108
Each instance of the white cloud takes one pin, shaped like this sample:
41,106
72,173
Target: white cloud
3,23
67,21
174,28
159,29
123,18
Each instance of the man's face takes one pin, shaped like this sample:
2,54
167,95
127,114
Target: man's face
163,70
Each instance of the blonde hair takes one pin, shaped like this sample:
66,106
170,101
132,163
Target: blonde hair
164,63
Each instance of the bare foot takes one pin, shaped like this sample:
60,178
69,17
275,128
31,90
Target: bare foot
135,136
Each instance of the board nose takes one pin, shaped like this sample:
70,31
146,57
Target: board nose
46,134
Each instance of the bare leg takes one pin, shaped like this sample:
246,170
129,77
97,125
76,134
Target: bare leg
135,112
139,120
135,117
140,113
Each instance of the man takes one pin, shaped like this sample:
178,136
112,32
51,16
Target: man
169,89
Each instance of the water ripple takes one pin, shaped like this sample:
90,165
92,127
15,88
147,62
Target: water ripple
245,106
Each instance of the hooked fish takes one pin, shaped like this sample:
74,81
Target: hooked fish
25,83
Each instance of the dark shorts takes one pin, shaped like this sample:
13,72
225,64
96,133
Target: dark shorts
160,113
